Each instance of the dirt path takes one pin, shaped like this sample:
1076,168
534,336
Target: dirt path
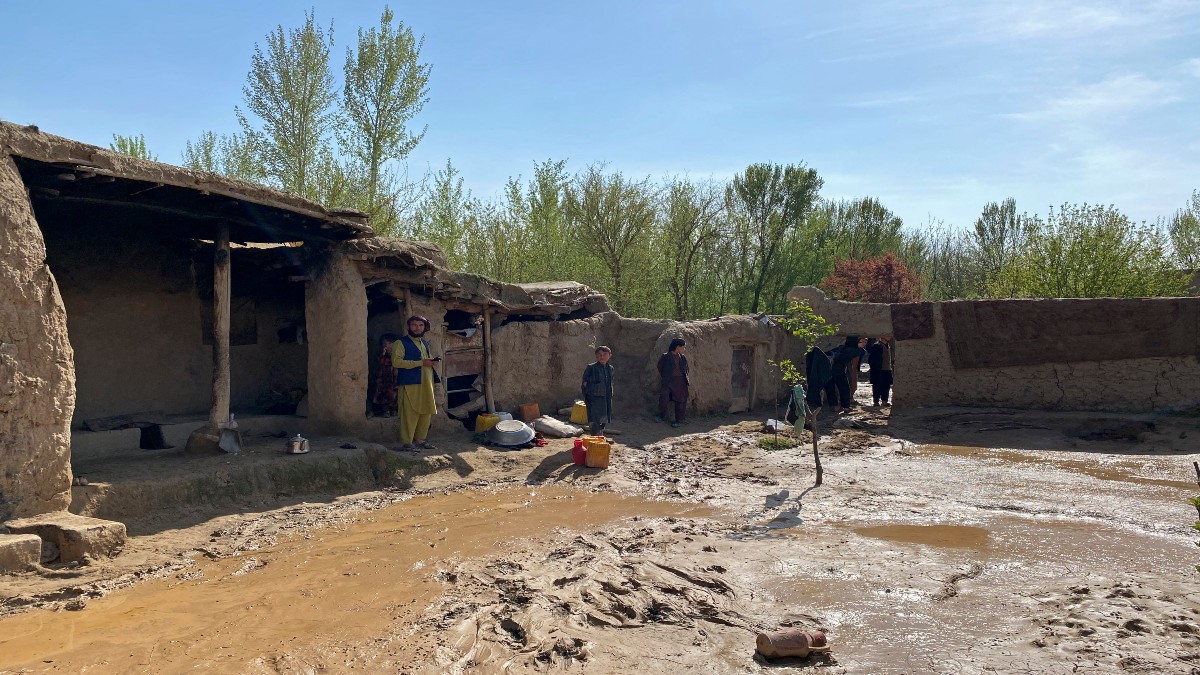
952,541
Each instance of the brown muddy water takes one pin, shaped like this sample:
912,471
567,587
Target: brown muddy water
914,559
329,586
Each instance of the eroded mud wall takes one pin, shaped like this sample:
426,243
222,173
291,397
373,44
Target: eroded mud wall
543,361
1125,355
710,348
336,316
1136,355
37,379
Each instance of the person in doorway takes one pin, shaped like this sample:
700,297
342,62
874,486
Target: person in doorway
598,390
415,377
674,382
841,371
384,400
880,360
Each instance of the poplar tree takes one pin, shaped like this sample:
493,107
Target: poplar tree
771,200
612,217
290,114
134,146
691,227
385,86
1084,251
1184,228
229,155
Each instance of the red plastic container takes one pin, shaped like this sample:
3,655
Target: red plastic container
579,452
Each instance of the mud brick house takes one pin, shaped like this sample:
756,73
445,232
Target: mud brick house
141,304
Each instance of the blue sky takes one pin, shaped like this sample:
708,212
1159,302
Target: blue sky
934,106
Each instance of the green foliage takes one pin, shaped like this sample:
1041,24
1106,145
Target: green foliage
999,236
613,218
766,202
804,323
1184,229
338,144
1195,501
777,443
289,106
134,146
229,155
944,258
385,87
446,215
690,229
678,248
861,228
1083,251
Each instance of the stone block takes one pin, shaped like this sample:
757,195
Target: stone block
73,536
19,552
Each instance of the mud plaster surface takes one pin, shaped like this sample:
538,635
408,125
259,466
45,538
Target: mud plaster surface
943,540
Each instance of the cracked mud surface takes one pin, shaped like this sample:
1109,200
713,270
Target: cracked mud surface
943,540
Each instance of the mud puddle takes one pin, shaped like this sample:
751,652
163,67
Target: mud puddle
1162,471
324,588
949,536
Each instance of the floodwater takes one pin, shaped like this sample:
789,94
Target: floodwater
944,559
330,586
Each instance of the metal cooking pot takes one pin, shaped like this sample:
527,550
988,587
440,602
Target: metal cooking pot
510,432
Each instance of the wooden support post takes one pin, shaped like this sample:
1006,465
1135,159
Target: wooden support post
206,439
487,360
222,287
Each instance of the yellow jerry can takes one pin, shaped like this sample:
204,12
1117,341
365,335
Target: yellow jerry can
485,422
579,413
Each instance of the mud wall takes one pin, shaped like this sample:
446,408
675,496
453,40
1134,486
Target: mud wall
543,361
1086,354
1124,355
135,319
335,306
37,378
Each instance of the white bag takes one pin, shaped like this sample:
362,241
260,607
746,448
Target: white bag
549,426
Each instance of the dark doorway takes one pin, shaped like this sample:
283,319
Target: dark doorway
741,379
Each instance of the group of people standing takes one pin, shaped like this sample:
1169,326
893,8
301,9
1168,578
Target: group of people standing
673,374
835,373
407,373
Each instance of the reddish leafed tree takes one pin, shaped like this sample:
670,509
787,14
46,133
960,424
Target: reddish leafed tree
882,279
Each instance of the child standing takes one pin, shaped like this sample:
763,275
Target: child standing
598,390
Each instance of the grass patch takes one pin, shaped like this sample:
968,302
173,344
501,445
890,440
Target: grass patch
777,443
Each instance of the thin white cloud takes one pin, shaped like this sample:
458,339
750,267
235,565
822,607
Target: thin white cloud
1192,67
1113,96
1076,19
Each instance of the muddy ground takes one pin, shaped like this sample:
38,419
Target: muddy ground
942,540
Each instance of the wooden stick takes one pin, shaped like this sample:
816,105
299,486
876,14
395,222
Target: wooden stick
812,420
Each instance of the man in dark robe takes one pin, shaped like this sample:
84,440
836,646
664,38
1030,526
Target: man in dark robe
673,376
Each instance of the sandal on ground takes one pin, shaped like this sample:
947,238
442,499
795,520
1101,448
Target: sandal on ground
424,445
